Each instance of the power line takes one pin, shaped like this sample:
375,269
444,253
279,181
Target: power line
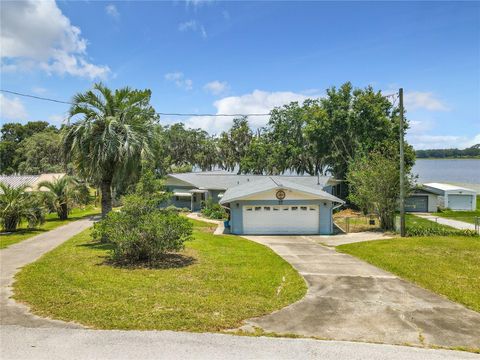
159,113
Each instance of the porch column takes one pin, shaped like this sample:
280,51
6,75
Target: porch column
191,202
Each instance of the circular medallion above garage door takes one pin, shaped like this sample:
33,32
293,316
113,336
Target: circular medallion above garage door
280,194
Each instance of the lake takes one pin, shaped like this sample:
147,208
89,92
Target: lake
457,171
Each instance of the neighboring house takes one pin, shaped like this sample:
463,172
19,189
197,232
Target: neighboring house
453,197
421,200
31,181
261,204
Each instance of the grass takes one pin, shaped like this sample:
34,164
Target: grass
231,279
415,221
467,216
354,221
449,266
51,222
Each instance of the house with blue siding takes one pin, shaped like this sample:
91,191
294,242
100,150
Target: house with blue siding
258,204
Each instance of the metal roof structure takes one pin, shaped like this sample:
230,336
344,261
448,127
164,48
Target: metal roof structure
440,188
271,183
29,180
219,180
19,180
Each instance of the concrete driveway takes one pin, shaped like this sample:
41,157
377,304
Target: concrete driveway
348,299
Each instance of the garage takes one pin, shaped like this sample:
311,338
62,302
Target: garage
298,219
454,197
416,204
275,206
460,202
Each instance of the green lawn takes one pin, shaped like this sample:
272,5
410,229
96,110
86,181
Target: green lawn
51,222
413,220
467,216
449,266
230,279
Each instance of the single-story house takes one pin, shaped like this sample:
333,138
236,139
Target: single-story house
421,200
261,204
453,197
31,181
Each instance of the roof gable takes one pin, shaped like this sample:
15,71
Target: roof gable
272,183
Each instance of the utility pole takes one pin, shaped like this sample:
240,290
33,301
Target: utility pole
402,168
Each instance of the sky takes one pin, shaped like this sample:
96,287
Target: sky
247,57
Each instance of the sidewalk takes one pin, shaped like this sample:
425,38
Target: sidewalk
461,225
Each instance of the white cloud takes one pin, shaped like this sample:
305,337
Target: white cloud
112,11
442,141
12,108
258,102
197,3
424,100
35,34
193,25
216,87
57,119
39,90
179,79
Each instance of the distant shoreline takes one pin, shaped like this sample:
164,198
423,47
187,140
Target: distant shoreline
448,158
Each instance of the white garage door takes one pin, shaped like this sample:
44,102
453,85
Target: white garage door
298,219
460,202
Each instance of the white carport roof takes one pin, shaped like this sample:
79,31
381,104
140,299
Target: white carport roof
271,183
441,189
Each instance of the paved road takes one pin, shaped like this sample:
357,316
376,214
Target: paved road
46,344
348,299
18,255
462,225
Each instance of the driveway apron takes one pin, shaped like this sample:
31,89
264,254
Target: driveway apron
348,299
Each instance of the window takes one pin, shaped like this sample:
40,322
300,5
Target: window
285,208
312,208
266,208
303,208
177,198
258,208
194,198
248,209
202,196
294,208
275,209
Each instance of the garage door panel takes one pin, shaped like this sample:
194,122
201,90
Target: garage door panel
294,219
416,204
460,202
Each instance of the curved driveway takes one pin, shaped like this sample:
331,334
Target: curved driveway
26,336
348,299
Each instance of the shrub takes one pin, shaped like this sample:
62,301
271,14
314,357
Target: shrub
212,210
413,230
177,209
141,232
17,204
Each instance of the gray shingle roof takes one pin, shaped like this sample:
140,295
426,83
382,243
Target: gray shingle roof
273,182
19,180
216,180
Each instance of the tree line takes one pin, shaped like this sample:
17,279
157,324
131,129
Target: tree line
112,135
471,152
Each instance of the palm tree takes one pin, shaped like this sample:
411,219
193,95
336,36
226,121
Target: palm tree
16,204
63,193
110,138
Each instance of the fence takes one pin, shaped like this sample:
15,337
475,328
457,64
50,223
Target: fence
358,223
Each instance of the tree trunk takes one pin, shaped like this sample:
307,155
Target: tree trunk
10,223
106,190
63,212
